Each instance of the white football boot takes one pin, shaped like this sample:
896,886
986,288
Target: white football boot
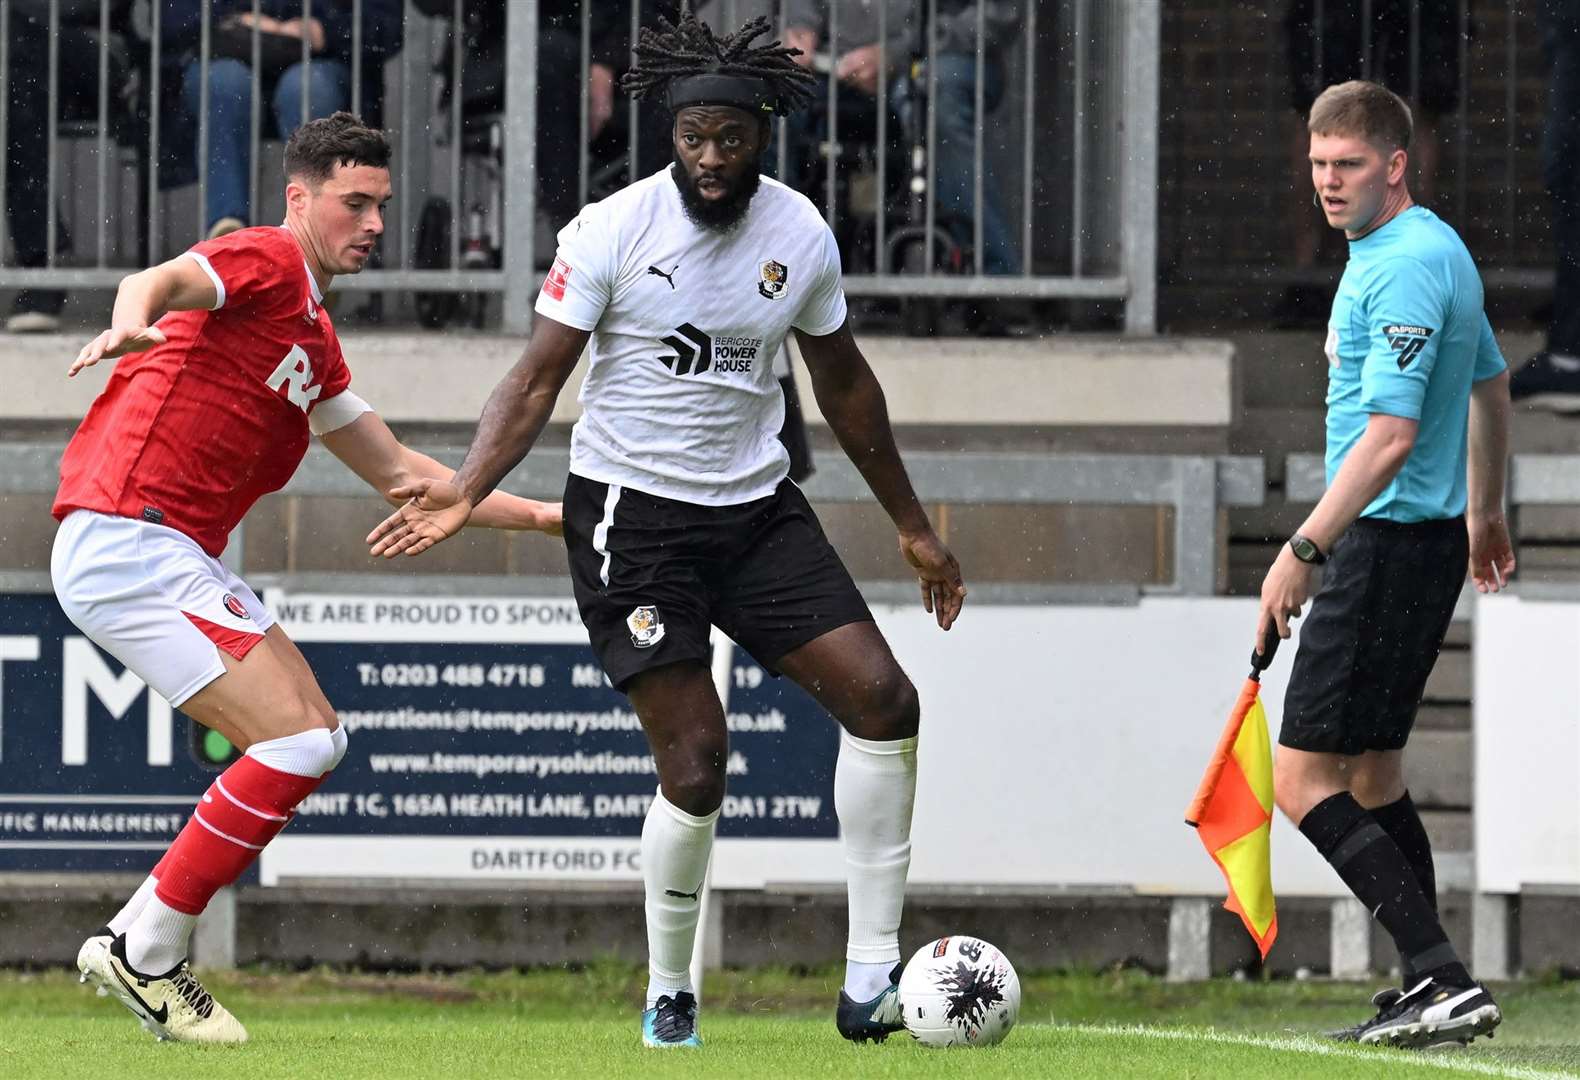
171,1006
92,957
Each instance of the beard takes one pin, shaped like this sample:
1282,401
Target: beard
715,215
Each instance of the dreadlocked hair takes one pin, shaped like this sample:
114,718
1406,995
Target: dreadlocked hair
679,50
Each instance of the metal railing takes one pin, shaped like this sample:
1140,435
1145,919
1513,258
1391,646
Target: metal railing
1196,488
1063,172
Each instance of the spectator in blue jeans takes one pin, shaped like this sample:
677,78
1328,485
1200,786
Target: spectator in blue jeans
855,34
323,86
1551,378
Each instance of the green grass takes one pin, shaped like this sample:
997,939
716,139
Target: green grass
756,1024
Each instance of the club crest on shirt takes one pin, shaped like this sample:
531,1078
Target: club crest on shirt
647,629
772,279
236,607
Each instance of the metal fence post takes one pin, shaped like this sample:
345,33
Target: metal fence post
1190,939
214,937
521,137
1195,526
1139,205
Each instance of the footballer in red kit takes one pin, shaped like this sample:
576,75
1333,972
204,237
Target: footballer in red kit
194,431
230,367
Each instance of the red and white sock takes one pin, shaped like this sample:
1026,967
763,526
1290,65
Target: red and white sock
246,807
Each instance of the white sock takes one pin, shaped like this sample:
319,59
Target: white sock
863,982
134,906
675,850
307,753
874,790
157,939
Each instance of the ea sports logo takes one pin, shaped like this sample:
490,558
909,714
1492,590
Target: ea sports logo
236,607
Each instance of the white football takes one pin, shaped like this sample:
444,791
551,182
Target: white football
959,991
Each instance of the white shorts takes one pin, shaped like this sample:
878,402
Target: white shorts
154,600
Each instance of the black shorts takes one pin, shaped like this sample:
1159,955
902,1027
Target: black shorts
1335,52
652,575
1373,633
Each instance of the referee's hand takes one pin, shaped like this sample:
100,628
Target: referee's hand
1285,591
1491,553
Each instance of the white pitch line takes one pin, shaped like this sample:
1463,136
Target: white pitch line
1302,1045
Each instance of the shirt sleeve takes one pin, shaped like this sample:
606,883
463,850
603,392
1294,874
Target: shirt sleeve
1489,358
580,284
332,414
824,310
247,267
1405,311
337,379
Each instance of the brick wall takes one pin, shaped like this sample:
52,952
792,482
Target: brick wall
1226,172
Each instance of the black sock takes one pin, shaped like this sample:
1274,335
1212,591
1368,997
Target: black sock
1401,821
1377,872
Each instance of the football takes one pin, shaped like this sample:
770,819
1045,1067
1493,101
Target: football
959,991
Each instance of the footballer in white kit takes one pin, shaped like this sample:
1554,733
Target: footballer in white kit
678,513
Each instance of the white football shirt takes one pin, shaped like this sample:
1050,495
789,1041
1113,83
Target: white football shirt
680,399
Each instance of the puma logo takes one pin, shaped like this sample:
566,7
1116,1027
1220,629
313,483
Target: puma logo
669,277
694,896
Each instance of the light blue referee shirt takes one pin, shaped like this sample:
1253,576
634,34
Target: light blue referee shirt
1407,338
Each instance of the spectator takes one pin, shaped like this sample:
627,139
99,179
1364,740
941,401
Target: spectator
27,131
1343,47
325,83
559,70
1552,377
856,67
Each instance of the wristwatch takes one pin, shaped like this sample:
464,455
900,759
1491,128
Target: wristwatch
1306,551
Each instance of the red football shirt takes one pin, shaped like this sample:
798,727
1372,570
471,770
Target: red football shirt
193,432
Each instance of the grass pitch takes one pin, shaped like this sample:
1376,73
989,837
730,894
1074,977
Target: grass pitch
755,1024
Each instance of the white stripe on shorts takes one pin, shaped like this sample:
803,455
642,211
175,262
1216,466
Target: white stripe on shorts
601,532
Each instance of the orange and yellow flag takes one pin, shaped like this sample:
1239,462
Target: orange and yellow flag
1233,814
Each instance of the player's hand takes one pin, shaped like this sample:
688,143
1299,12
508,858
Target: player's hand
1491,553
943,591
1285,591
116,341
551,518
437,510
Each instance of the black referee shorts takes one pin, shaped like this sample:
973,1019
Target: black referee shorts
653,575
1372,635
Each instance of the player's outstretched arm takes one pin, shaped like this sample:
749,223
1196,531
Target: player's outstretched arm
1491,549
852,403
400,474
512,420
178,285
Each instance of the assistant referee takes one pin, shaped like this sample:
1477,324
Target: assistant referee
1417,449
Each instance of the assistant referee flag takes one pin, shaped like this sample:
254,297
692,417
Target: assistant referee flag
1233,809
